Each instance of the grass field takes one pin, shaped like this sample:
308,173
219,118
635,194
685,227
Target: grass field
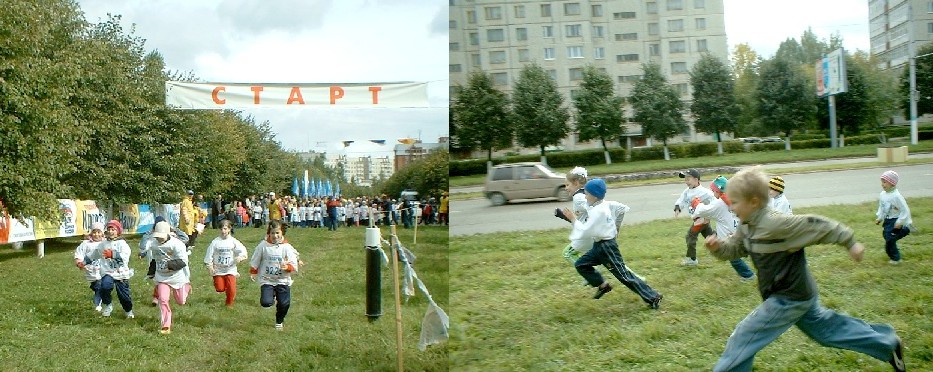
520,306
48,322
718,161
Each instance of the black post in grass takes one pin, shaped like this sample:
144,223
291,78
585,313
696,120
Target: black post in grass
373,274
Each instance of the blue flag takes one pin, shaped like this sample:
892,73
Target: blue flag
295,186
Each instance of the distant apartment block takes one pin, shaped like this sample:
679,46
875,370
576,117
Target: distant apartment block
407,153
893,24
363,170
616,36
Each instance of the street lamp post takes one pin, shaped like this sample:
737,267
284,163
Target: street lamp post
913,88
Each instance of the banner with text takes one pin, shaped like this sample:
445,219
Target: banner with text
193,96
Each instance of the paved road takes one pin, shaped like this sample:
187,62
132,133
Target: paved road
797,164
652,202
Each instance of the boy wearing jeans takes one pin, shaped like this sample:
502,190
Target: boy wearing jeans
775,244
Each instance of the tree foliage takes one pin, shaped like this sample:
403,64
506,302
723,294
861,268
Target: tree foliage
481,116
657,105
427,175
924,81
537,109
82,115
786,98
714,105
599,111
745,62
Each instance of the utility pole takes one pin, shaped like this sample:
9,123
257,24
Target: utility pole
913,79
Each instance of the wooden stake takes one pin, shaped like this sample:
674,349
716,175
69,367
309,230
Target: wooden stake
398,299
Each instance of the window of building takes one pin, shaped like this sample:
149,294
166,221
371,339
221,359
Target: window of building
629,36
629,78
599,52
675,4
598,31
524,55
574,93
654,50
493,12
519,11
623,15
653,29
545,10
455,90
547,31
576,74
627,58
682,88
521,33
496,57
454,47
499,78
552,73
930,28
574,30
495,35
699,4
474,38
651,7
475,60
675,25
701,23
596,10
678,46
549,54
575,52
453,24
471,17
701,45
455,68
678,67
571,8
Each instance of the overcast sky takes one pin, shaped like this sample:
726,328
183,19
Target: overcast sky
765,24
307,41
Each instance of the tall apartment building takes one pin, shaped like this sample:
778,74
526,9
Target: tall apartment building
617,36
364,170
893,24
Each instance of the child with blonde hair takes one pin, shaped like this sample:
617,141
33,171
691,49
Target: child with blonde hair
91,268
775,242
221,258
894,213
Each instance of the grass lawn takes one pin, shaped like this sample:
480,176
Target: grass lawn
520,306
718,161
48,322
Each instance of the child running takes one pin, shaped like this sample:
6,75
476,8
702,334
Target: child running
894,216
171,277
778,201
221,258
91,268
273,262
700,225
718,210
114,256
776,242
600,227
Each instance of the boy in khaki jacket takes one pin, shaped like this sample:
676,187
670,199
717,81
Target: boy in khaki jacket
775,242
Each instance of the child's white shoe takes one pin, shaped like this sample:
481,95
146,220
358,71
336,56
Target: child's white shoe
107,310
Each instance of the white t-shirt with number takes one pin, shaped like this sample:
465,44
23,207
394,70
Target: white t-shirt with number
171,249
268,259
223,254
91,270
116,266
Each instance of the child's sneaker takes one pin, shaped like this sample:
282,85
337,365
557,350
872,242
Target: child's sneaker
279,327
600,291
892,262
690,262
897,357
129,315
165,330
98,308
656,303
107,310
749,279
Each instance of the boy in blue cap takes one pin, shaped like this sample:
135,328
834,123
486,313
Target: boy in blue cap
600,226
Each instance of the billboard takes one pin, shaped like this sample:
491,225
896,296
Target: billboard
831,74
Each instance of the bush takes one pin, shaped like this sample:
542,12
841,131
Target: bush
648,153
866,139
807,136
810,144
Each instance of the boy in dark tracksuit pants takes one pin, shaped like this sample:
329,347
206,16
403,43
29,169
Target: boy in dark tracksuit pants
600,227
775,242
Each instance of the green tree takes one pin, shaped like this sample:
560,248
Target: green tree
657,106
537,110
428,175
854,110
714,105
924,83
481,115
745,62
599,111
881,89
785,97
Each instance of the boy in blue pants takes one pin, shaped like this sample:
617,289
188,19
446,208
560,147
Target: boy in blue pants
775,242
